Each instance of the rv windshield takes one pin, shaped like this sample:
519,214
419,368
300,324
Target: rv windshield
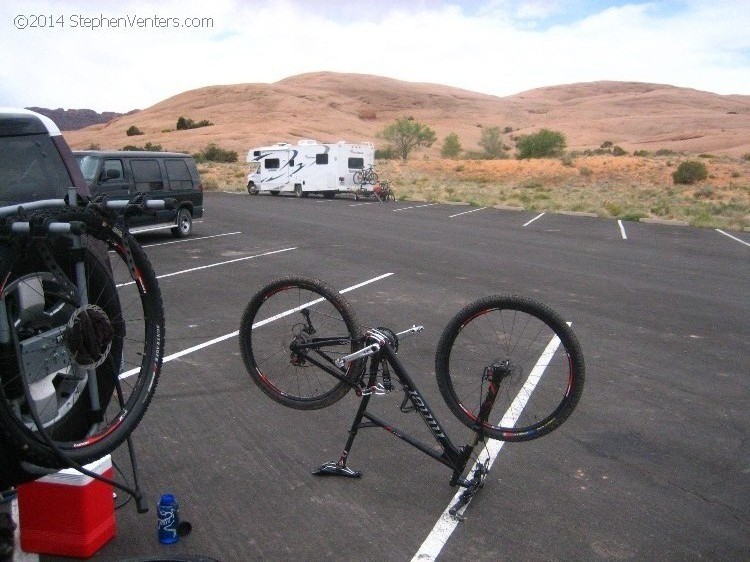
253,167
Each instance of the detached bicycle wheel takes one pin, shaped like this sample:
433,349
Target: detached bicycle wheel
510,368
81,369
291,334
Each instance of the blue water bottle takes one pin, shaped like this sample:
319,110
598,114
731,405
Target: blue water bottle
168,512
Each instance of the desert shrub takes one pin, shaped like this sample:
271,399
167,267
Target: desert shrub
664,152
746,156
543,144
706,192
149,146
133,131
585,172
212,153
184,124
492,142
689,172
451,146
618,151
567,159
706,155
386,153
606,144
641,153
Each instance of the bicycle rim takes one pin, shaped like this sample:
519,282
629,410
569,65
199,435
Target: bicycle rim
521,353
53,377
292,332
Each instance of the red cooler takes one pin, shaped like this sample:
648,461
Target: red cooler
67,513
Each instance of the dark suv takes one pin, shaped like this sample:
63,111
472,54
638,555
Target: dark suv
35,164
160,175
35,161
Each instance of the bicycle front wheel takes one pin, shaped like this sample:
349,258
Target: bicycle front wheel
291,334
510,368
77,370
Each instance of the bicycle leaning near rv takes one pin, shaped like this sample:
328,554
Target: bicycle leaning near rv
308,167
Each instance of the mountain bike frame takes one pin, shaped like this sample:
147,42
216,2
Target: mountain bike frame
381,352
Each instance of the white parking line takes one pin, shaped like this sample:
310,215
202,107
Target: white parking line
220,339
211,265
732,237
191,239
622,230
467,212
446,524
414,207
539,216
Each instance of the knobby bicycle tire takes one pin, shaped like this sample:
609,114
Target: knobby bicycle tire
41,351
519,348
279,332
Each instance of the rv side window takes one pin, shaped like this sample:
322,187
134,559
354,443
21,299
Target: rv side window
356,163
178,174
256,153
321,158
271,163
147,175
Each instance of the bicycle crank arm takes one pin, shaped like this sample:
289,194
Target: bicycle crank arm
371,349
413,330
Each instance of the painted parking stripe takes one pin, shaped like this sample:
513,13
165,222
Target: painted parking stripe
467,212
732,237
622,230
211,265
191,239
447,523
539,216
414,207
220,339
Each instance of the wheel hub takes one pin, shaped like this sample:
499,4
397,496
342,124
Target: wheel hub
89,336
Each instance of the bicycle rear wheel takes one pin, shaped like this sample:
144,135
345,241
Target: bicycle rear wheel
49,361
292,331
358,177
510,368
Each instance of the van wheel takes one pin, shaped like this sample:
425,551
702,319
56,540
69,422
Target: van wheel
184,224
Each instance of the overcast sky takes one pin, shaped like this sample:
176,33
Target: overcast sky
121,55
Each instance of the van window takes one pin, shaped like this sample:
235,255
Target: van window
321,158
113,170
147,175
178,174
271,163
356,163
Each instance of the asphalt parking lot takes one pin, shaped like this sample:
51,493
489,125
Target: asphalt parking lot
653,464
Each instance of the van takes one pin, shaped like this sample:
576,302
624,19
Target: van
161,175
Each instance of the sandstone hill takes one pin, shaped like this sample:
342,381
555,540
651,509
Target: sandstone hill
330,107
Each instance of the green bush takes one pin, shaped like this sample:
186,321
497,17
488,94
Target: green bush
618,151
213,153
451,146
133,131
184,124
543,144
386,153
689,172
149,146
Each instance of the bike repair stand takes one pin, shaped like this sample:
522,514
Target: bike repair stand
383,352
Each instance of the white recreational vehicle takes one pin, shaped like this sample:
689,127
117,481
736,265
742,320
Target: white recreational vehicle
308,167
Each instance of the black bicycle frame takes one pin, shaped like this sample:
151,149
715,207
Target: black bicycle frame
455,458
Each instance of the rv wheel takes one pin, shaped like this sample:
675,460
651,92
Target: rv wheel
297,190
251,189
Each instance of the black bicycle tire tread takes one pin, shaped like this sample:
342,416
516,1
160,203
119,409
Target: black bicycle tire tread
245,336
560,327
35,450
